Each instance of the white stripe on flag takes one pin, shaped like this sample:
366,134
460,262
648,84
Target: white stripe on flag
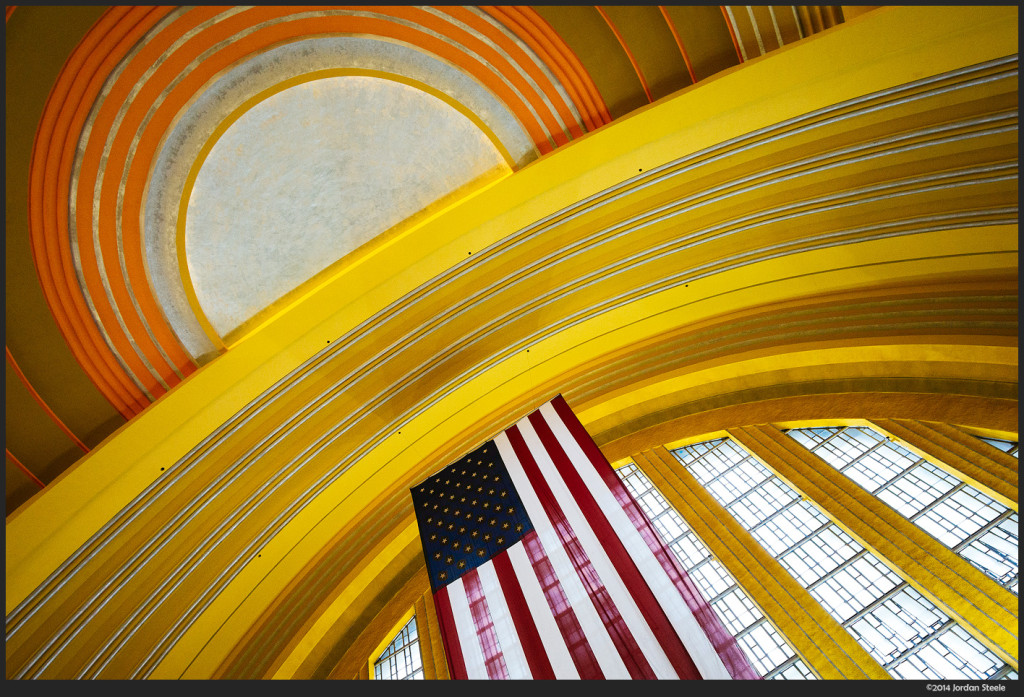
508,640
697,644
469,641
617,590
547,627
593,627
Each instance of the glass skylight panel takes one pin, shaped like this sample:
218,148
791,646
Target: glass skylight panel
401,660
962,517
904,631
767,650
995,550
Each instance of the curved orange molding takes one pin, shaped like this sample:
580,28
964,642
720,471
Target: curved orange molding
41,402
533,30
66,303
522,59
91,170
552,129
10,11
136,334
732,33
629,54
136,363
679,42
23,468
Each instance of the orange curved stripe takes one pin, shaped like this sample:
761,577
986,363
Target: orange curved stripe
83,76
538,27
146,149
551,128
629,54
522,59
554,62
84,340
73,97
23,468
41,402
89,173
10,11
679,42
77,117
732,33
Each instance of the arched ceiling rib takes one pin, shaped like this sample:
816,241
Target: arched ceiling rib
681,232
137,73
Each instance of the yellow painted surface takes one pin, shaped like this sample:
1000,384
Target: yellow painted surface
796,79
948,448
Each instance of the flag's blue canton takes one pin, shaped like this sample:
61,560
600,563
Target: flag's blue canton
468,513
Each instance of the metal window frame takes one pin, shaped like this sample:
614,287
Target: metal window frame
900,586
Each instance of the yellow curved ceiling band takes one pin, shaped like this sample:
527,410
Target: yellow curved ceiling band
420,396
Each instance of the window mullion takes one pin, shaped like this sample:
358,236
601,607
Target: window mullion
939,631
906,470
1008,513
782,667
864,454
841,429
795,544
712,449
936,502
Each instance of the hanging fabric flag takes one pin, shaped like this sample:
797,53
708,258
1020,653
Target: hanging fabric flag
542,566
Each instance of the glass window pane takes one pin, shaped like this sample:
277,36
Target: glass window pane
767,650
943,505
401,660
904,631
1007,446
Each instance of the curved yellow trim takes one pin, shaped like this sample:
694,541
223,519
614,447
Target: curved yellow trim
434,417
246,106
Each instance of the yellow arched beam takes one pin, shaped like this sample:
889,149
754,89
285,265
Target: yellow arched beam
823,407
46,533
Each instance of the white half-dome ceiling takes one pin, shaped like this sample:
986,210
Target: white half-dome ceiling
310,174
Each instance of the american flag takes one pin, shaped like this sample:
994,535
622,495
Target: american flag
543,567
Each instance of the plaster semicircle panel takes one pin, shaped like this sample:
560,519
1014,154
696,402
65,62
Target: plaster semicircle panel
266,73
311,173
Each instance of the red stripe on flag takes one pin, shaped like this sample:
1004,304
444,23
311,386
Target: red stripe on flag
724,643
449,635
623,639
633,579
526,628
565,617
494,661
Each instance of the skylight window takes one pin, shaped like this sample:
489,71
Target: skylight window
766,648
960,516
401,660
907,634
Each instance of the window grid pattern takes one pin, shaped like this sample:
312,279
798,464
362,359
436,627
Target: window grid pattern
766,648
401,660
901,629
968,521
